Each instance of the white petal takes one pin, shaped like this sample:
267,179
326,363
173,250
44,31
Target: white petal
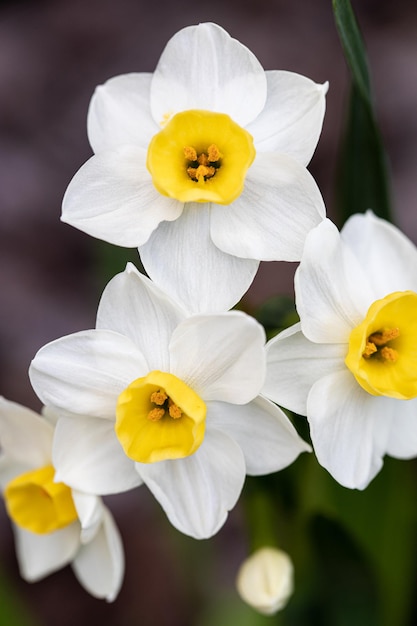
88,457
269,221
85,372
197,492
221,357
266,436
120,114
182,259
90,513
294,364
40,555
99,565
388,257
349,429
134,306
112,197
332,292
202,67
292,119
402,440
25,437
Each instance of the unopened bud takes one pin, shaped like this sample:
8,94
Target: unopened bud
265,580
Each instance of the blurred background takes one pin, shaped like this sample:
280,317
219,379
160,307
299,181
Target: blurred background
52,55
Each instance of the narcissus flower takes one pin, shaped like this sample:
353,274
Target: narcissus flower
153,396
350,365
202,165
53,524
265,580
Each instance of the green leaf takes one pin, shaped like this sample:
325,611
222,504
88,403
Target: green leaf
362,180
353,46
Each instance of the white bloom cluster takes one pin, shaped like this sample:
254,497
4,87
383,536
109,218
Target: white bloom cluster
202,167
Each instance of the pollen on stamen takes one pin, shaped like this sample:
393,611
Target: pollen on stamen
190,153
382,337
174,410
202,166
156,414
213,153
370,349
201,172
159,397
389,354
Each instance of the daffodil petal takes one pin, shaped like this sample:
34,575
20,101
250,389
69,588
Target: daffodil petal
331,288
221,357
99,564
279,205
294,364
25,437
388,257
40,555
266,436
349,429
112,197
402,440
88,457
202,67
90,513
292,118
182,259
196,493
119,113
134,306
85,372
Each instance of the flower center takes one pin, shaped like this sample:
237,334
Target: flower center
383,348
202,166
200,156
159,417
38,504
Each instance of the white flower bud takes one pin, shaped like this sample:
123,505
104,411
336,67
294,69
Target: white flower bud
265,580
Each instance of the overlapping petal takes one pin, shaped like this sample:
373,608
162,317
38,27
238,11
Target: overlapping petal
40,555
264,433
90,513
119,113
85,372
388,257
112,197
332,291
182,259
99,564
25,437
349,429
280,204
292,119
192,73
221,357
134,306
196,493
294,364
88,457
402,439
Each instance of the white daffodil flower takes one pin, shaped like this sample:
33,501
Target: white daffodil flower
202,166
53,525
350,365
153,396
265,580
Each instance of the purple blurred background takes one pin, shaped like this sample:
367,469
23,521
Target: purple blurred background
52,55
